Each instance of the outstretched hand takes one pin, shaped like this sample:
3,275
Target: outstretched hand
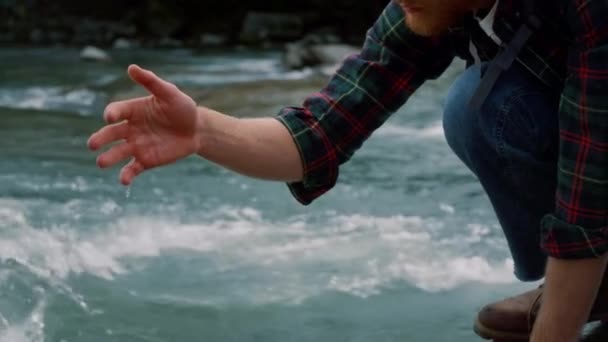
151,131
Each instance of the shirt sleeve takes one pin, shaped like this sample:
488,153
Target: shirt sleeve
577,229
367,88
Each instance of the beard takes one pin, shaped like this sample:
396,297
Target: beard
435,18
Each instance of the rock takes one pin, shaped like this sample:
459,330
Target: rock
329,54
298,55
324,36
57,37
331,38
122,29
211,39
7,37
167,42
301,54
37,36
123,43
263,26
92,53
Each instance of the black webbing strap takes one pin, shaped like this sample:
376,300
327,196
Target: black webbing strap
505,57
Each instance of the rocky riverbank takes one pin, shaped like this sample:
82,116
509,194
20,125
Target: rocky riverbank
182,24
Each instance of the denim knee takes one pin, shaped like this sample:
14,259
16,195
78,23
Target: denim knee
506,127
460,123
509,144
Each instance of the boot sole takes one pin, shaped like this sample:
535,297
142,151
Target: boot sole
491,334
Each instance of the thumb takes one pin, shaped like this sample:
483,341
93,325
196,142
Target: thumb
154,84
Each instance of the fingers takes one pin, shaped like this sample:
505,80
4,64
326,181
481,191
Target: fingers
124,110
130,171
114,155
154,84
108,134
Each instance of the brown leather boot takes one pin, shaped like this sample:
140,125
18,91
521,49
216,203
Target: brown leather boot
513,318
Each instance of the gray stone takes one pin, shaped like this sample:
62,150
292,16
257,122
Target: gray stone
211,39
92,53
123,43
298,55
56,37
301,54
321,37
7,37
167,42
262,26
37,36
329,54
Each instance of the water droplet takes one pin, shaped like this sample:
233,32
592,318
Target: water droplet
128,193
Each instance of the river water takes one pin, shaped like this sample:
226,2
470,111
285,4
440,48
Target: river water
405,248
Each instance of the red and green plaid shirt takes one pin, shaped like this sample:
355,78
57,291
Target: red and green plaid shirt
570,54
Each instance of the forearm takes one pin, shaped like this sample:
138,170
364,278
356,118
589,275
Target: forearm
256,147
570,290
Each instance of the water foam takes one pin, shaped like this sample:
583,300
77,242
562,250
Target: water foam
226,71
431,131
30,330
220,79
367,253
50,98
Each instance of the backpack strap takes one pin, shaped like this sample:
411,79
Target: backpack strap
506,56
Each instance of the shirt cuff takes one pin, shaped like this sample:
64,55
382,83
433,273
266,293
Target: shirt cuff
569,241
320,170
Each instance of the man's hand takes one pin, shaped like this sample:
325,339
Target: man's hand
570,290
153,131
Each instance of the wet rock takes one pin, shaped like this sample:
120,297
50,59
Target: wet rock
167,42
329,54
92,53
211,39
7,37
302,54
37,36
123,43
297,56
262,26
322,36
57,37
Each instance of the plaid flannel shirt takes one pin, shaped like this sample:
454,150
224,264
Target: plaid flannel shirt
569,54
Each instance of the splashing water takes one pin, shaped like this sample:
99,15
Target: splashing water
31,330
3,322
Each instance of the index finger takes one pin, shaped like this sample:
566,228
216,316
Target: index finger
123,110
108,134
154,84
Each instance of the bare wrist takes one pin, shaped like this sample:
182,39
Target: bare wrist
570,290
201,136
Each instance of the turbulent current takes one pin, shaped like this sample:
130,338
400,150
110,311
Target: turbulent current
406,247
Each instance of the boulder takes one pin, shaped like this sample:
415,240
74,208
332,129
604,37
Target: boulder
298,55
211,39
92,53
123,43
37,36
301,54
57,37
329,54
167,42
7,37
322,36
262,26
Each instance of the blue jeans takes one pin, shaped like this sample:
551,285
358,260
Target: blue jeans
511,145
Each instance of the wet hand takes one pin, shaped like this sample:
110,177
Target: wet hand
151,131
